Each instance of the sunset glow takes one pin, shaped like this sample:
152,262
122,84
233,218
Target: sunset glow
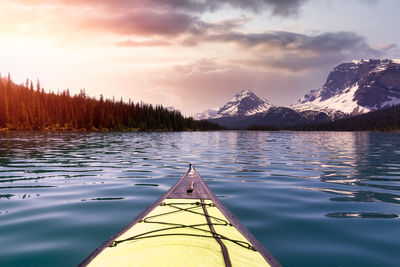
191,54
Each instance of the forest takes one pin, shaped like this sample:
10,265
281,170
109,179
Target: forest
29,107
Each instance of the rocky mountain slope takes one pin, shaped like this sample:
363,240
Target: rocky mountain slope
355,88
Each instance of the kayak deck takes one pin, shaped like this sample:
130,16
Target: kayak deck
187,226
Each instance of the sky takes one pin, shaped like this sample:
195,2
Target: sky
191,54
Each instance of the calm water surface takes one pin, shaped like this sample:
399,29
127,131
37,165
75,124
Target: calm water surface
312,199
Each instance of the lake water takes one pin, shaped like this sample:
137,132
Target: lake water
312,198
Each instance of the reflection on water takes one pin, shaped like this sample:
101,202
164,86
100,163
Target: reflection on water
105,198
362,215
359,196
65,193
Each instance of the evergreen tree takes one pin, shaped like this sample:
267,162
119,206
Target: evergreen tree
4,115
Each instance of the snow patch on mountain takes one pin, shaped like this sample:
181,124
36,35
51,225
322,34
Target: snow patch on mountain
259,109
393,101
343,102
208,114
360,61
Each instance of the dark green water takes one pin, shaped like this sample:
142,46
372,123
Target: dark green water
312,199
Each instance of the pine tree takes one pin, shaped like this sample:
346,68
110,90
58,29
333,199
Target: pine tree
4,115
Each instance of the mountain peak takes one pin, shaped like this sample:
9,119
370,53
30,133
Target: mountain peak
244,103
244,92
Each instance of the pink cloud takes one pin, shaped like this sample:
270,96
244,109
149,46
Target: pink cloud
276,7
145,43
143,22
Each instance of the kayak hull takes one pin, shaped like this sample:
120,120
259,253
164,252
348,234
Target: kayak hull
187,226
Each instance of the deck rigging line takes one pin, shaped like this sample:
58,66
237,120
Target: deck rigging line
193,205
224,250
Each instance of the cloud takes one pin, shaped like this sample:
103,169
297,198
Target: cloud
144,43
144,22
157,17
276,7
290,41
290,50
204,65
295,63
337,42
297,52
180,21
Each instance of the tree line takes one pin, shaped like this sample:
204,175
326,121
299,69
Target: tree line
387,119
29,107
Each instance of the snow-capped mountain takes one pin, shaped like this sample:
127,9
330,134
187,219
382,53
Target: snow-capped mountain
354,88
244,103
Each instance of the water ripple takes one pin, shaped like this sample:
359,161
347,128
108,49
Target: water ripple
64,194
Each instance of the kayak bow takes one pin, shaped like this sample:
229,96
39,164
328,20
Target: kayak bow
187,226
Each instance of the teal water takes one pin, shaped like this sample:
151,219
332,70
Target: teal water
312,198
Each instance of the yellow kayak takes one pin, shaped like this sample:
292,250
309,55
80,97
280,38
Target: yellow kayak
187,226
